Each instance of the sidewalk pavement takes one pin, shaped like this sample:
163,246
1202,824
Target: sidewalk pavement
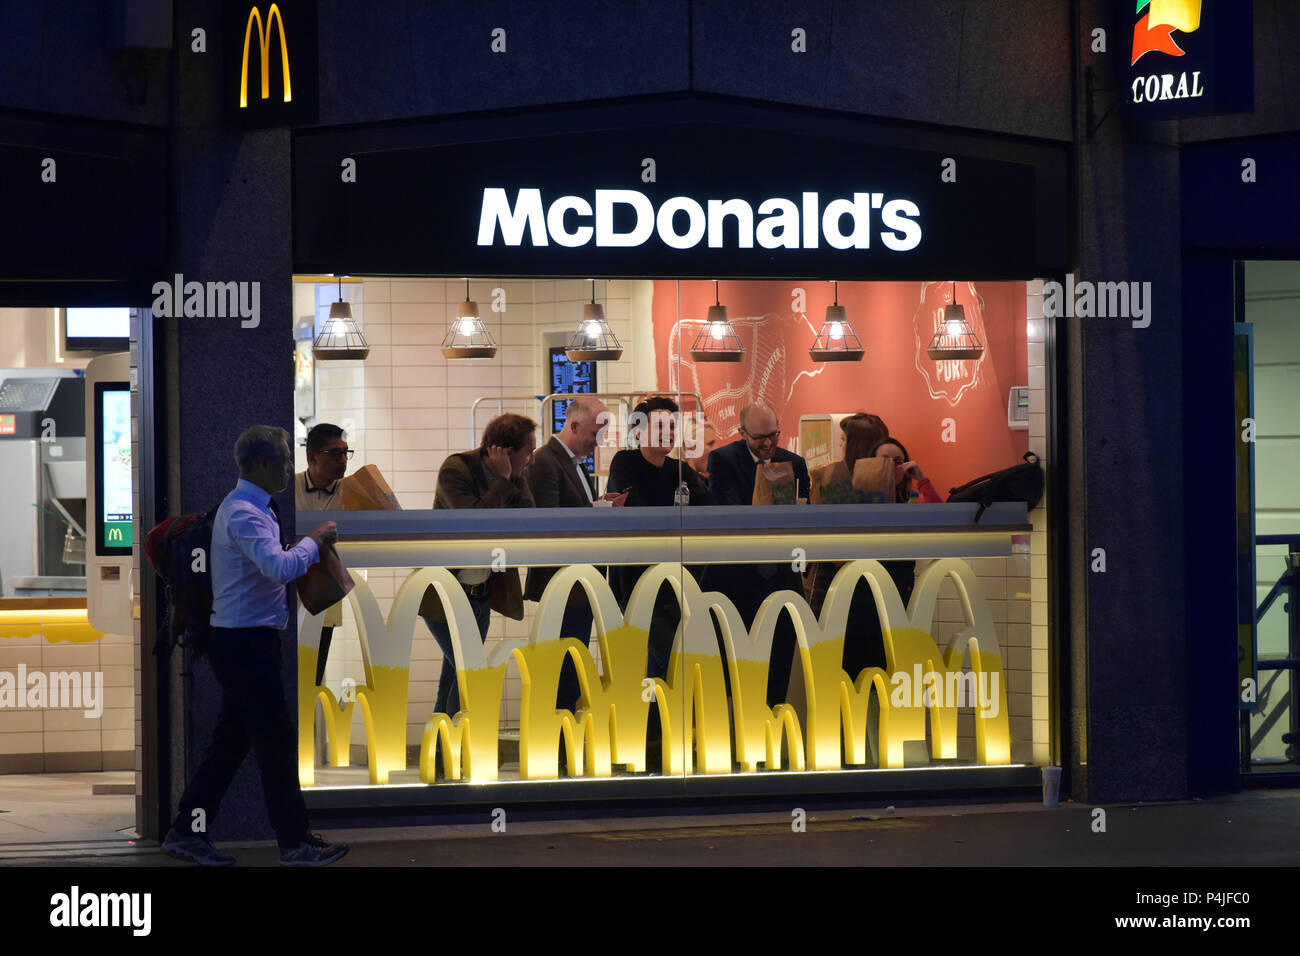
1253,828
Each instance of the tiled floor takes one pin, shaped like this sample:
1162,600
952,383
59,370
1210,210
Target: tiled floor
61,808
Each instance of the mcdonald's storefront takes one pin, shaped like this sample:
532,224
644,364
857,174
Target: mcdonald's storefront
695,205
731,252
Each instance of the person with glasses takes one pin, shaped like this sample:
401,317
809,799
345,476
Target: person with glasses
319,489
905,472
864,642
733,469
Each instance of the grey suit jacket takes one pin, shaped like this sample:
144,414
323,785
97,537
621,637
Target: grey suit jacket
554,482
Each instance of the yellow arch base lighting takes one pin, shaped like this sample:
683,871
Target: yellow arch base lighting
867,719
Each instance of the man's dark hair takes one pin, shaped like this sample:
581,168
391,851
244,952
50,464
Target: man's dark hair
321,435
659,403
261,444
509,431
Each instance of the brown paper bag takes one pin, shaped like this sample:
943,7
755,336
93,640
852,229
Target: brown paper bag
366,490
774,484
832,485
326,583
873,480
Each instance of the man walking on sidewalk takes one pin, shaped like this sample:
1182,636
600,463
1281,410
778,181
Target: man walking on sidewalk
250,568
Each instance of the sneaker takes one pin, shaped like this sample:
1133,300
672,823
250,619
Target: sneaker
312,851
194,848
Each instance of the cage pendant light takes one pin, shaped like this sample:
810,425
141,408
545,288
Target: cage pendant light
468,337
341,337
836,342
954,339
593,340
717,341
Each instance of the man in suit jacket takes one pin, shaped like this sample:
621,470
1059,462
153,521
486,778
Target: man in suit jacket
492,476
558,480
732,472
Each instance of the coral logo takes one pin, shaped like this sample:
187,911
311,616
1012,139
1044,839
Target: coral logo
1152,33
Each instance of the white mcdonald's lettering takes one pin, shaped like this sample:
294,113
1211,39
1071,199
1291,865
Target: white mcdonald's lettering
610,724
683,223
264,42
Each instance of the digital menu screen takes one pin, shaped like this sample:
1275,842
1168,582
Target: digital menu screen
97,329
568,378
114,515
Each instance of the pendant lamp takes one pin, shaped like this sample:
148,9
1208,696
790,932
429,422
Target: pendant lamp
718,341
954,339
593,340
836,342
468,337
340,338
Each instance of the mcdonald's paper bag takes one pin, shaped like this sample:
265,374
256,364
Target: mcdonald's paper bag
774,484
326,583
366,490
832,485
873,480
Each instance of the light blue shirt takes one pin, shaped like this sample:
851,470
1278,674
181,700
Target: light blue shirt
249,565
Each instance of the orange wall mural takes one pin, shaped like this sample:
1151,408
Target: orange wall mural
895,379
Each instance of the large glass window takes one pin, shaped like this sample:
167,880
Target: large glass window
746,568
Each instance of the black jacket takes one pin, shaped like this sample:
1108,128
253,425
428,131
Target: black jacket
732,471
554,483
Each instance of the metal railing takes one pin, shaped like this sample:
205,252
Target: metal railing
1287,587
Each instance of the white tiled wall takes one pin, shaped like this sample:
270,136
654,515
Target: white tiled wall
412,408
1040,706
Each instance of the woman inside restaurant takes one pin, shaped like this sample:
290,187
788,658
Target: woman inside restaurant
863,640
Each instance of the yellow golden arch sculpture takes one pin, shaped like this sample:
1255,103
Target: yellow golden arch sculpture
875,713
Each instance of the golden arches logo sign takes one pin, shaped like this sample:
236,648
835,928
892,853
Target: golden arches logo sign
904,714
273,16
273,48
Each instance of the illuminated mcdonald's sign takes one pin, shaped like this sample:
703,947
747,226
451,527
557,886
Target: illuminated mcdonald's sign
264,44
258,36
115,534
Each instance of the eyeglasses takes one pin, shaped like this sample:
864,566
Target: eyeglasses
337,453
762,439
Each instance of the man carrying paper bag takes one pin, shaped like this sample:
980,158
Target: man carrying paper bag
322,487
754,471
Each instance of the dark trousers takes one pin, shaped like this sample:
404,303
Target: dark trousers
864,640
254,715
448,699
748,585
577,624
326,633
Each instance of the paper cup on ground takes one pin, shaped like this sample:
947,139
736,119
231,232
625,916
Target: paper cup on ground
1051,786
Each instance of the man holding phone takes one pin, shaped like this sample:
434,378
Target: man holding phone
558,480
